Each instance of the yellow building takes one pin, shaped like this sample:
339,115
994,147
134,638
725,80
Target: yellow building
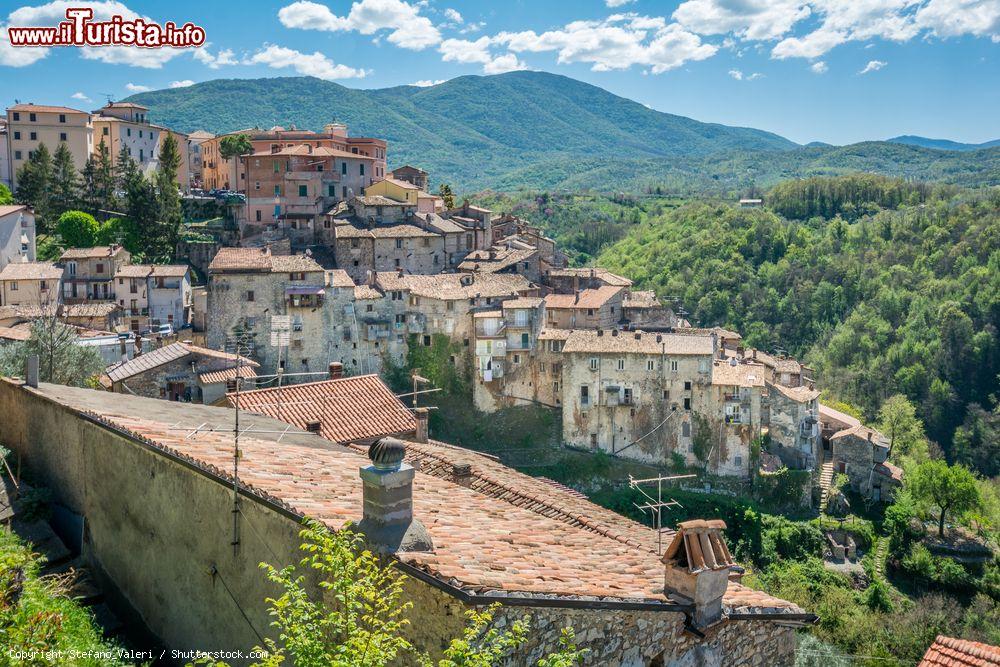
407,192
29,125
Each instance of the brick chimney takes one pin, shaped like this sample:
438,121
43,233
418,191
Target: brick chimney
387,488
422,431
336,370
462,473
697,567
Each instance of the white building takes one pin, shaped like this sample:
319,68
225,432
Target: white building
17,234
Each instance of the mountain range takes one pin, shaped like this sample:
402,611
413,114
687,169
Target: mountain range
541,130
941,144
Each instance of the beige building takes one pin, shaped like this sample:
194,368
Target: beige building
29,125
89,272
30,284
17,234
196,156
591,308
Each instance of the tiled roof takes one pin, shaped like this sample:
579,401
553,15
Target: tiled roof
41,108
366,292
636,342
7,209
449,286
523,302
951,652
170,270
502,259
96,252
214,377
12,333
719,331
444,225
863,432
164,355
92,309
379,231
125,105
31,271
487,540
406,185
260,260
641,299
554,334
740,375
28,311
836,417
379,200
134,271
603,275
588,298
348,409
800,394
306,150
340,278
889,470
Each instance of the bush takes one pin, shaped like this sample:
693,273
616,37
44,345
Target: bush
789,540
78,229
877,597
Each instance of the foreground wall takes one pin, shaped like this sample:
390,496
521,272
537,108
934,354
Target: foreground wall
160,529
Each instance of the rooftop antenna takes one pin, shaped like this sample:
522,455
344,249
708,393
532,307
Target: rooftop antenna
109,97
238,344
657,505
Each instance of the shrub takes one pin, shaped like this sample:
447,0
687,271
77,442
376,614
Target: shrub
78,229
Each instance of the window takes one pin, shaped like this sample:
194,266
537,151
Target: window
370,308
17,135
687,386
277,190
250,295
343,191
105,131
594,363
62,118
627,396
738,460
13,286
355,243
17,116
590,312
517,358
303,190
256,185
427,341
449,306
362,170
400,319
142,155
62,136
343,169
17,155
593,440
297,276
133,287
399,244
33,136
584,395
687,403
650,364
140,134
673,365
99,268
128,131
258,215
666,394
32,118
621,364
396,295
331,190
277,168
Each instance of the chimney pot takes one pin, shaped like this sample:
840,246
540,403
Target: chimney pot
336,370
462,473
387,487
697,569
314,426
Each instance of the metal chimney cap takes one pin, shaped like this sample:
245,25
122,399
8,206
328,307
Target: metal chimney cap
387,453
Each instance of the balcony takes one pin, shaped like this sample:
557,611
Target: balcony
491,329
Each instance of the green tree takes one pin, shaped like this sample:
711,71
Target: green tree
444,191
897,418
65,181
365,627
946,489
97,189
233,145
168,198
34,182
60,359
5,195
78,229
140,204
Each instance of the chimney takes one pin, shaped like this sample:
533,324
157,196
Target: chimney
715,345
31,371
314,426
576,283
462,473
422,431
753,354
387,488
336,370
697,568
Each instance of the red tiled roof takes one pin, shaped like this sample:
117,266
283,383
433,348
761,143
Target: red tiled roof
588,298
31,271
164,355
951,652
348,409
213,377
261,260
91,253
41,108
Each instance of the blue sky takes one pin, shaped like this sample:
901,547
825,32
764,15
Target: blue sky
830,70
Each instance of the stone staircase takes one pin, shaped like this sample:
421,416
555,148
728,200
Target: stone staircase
825,481
881,549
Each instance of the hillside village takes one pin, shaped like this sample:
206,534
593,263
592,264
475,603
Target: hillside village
334,270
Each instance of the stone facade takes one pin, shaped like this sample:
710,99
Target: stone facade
793,426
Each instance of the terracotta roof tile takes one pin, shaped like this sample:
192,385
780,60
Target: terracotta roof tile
636,342
41,108
588,298
603,275
348,409
260,260
96,252
164,355
740,375
215,377
800,394
340,278
951,652
450,286
31,271
134,271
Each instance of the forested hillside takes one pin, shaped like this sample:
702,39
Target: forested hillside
538,130
902,300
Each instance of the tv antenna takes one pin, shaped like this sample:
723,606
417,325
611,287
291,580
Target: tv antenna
655,506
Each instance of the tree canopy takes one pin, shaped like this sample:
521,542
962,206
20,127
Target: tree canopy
947,489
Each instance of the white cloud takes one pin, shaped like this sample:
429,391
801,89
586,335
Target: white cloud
748,19
953,18
181,84
426,83
819,67
81,96
18,57
617,42
740,76
222,58
873,66
136,88
408,29
505,63
454,16
315,64
478,52
52,13
617,3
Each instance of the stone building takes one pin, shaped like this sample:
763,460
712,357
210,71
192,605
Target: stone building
603,574
179,372
570,281
30,284
793,424
17,234
862,454
590,308
413,175
89,272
